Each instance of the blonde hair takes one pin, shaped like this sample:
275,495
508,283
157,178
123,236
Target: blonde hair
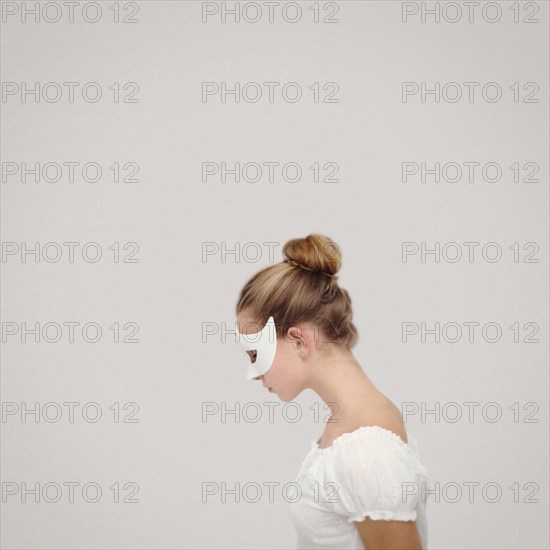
303,289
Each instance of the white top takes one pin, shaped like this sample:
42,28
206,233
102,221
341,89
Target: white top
368,472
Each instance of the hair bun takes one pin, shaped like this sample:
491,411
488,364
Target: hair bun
314,253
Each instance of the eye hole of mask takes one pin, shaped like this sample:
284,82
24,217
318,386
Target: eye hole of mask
253,354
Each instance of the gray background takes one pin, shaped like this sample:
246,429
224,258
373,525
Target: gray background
171,292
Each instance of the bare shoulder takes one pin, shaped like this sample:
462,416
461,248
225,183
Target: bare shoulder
375,411
389,420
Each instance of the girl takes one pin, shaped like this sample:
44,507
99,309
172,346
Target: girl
362,482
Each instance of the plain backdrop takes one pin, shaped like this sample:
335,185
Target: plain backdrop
184,375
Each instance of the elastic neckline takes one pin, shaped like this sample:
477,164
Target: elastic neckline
337,440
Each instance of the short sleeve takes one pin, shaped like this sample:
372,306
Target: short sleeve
375,474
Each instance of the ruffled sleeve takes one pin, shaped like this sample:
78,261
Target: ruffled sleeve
374,474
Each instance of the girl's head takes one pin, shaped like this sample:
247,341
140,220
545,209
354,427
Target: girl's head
312,314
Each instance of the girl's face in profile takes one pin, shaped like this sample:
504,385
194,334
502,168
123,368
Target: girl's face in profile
283,377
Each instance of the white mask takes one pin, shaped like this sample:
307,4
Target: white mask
264,343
